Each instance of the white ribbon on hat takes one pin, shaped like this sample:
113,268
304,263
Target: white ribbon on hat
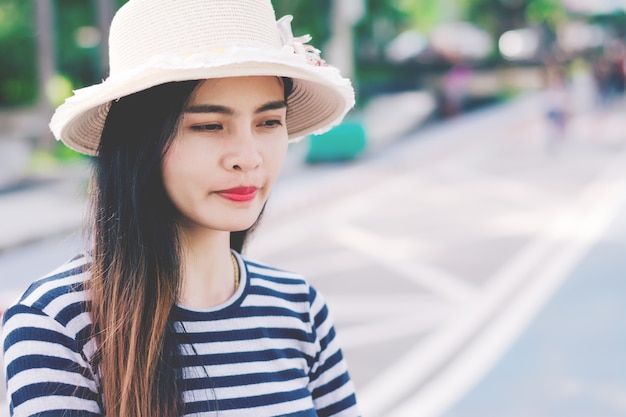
298,45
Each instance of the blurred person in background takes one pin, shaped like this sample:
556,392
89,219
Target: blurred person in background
455,86
162,316
557,102
609,71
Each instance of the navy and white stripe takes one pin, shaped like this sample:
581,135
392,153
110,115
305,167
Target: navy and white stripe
270,350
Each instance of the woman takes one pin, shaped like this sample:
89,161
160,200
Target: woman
162,316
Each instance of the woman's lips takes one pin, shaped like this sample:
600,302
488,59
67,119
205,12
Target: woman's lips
239,194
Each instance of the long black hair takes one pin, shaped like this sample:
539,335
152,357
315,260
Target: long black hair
135,272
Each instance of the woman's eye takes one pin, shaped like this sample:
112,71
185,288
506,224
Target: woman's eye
272,123
212,127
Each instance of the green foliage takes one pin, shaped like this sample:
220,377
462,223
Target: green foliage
12,17
18,78
64,154
485,13
382,16
551,12
423,15
80,65
310,17
498,16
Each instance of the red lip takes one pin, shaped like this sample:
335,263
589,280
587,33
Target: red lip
239,194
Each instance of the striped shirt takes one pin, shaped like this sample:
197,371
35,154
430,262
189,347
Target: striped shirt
270,350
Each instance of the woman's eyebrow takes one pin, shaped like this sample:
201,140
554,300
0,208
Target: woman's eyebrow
209,108
216,108
272,105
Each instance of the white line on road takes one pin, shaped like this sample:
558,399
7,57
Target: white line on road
395,316
395,254
589,214
386,330
357,307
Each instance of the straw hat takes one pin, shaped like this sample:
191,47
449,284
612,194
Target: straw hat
152,42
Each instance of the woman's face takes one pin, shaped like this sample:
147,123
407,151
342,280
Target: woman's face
227,153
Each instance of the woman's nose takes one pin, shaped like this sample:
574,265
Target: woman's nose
243,154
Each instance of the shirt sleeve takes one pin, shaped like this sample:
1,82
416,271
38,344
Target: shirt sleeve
46,371
332,390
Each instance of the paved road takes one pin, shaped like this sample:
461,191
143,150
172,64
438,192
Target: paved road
436,252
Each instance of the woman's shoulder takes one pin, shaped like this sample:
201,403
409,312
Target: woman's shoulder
60,294
261,270
281,282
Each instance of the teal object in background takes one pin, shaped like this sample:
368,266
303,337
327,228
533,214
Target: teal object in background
342,143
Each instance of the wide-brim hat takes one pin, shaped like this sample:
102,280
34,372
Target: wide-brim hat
153,42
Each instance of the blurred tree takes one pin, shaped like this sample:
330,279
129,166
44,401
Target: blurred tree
310,17
496,16
423,15
547,15
487,14
78,61
82,63
550,12
383,21
18,74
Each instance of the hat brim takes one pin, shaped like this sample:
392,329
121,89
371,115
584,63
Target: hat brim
320,99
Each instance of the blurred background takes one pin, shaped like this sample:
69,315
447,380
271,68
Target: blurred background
466,222
459,54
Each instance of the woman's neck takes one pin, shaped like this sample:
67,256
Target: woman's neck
208,275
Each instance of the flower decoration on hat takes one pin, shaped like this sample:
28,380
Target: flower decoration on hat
298,45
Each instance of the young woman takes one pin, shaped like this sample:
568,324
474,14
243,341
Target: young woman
162,316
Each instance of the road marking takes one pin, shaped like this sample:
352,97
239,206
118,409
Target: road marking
368,243
588,214
386,330
396,255
358,307
514,191
395,316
